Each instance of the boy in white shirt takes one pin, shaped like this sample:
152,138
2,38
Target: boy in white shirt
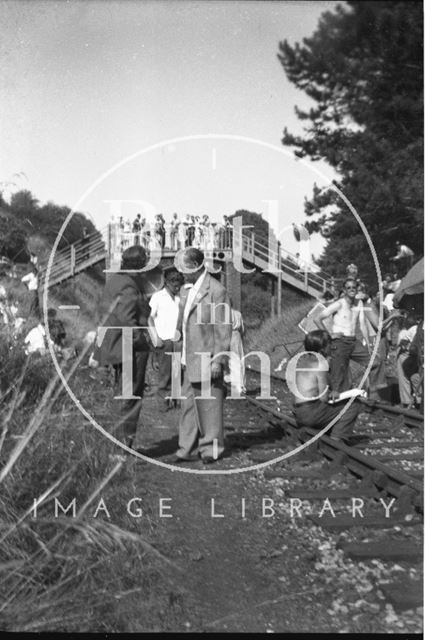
164,306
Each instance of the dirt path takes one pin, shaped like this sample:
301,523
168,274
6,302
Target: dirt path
238,571
235,572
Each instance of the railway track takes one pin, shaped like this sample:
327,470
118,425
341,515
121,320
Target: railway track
370,468
387,468
410,418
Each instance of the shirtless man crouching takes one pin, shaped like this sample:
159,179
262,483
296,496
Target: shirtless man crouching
345,346
311,407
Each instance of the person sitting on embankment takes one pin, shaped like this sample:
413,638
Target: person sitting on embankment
312,394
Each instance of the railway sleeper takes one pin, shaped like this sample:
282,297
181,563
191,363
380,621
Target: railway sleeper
389,550
323,473
396,445
346,521
401,456
403,594
331,494
407,501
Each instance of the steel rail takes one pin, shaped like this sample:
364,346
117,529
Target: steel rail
411,417
391,480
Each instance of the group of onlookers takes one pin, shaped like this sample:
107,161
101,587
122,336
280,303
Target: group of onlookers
354,318
190,231
20,314
191,315
347,331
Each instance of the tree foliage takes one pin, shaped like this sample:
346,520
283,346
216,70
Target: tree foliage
363,70
260,228
26,227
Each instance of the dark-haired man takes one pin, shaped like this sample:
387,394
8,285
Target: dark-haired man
206,328
345,346
124,304
311,386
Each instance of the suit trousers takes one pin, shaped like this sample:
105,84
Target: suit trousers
319,414
126,412
34,306
164,369
343,350
201,419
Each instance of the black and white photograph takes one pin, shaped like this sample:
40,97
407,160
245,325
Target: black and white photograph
211,317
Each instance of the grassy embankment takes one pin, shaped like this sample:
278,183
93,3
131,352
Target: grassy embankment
275,332
60,572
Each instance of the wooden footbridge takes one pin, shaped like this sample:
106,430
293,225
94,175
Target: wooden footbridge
107,246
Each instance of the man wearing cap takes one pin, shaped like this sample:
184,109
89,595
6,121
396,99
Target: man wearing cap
206,328
125,304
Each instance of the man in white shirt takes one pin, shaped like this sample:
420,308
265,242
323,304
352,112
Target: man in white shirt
36,340
345,345
403,257
206,327
164,306
31,280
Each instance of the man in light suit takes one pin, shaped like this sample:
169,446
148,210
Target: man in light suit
125,304
205,325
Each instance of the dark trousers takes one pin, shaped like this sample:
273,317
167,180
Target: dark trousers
343,350
126,412
164,360
34,307
319,414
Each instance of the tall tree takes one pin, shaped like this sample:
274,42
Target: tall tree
24,222
260,228
362,69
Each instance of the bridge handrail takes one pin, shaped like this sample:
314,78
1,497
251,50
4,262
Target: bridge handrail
68,260
270,255
86,251
258,245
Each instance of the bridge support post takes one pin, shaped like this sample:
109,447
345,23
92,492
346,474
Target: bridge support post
232,282
272,299
279,282
72,259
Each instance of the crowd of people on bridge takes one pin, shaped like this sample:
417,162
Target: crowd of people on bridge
189,231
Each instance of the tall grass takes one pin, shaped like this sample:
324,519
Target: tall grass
68,573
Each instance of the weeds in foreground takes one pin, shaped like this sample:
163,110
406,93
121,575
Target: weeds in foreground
72,572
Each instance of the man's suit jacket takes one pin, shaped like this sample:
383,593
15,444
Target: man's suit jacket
203,331
123,305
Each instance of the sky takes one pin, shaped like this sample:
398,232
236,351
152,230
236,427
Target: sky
90,85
